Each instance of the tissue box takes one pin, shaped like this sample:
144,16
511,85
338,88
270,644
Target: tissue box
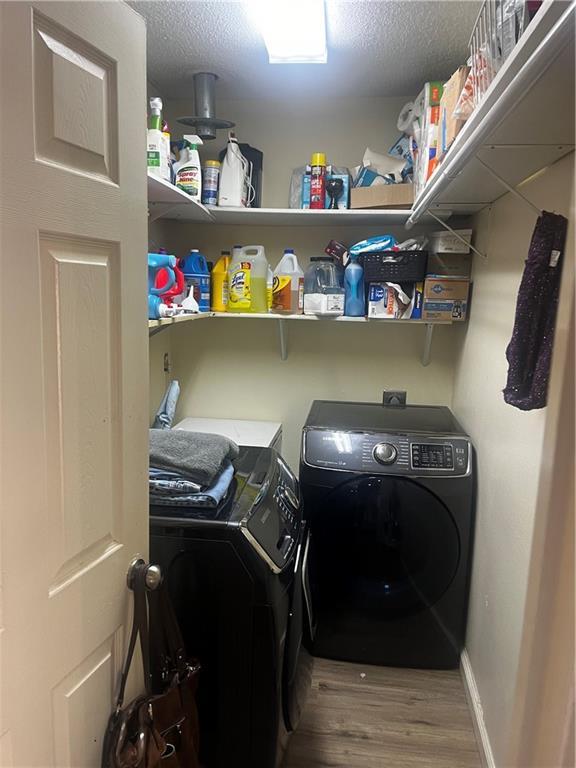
445,242
445,298
450,126
382,196
383,302
449,265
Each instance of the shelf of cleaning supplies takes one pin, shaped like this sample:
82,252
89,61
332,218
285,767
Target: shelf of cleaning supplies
524,123
164,199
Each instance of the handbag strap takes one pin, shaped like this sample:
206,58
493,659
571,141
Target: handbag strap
139,629
168,653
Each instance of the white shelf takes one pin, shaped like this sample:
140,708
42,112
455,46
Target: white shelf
165,321
524,123
155,326
315,318
294,217
164,199
272,316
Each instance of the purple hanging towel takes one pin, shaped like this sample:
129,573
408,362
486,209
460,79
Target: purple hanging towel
529,353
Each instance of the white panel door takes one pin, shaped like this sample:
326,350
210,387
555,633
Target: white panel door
73,361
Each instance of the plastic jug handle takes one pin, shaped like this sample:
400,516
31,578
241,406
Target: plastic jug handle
256,250
169,284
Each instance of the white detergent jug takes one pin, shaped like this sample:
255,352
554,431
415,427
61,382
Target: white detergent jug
247,275
233,189
288,288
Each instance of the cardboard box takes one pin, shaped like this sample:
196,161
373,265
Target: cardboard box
449,126
449,265
382,196
445,299
446,242
384,304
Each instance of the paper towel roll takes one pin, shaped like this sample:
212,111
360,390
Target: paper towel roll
406,117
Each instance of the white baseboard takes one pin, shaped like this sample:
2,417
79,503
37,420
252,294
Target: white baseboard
475,704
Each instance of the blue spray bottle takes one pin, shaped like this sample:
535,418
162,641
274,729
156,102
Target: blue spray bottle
355,298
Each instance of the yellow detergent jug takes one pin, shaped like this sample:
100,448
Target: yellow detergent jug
247,278
220,283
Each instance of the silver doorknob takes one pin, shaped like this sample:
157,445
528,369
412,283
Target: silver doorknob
385,453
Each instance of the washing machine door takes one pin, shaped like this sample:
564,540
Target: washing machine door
385,551
297,671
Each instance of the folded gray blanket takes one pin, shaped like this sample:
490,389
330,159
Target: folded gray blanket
194,455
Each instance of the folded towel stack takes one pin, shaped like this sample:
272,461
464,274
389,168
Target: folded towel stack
190,469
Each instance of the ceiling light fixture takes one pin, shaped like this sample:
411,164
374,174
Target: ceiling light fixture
294,30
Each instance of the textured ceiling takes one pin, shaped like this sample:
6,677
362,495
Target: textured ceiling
375,48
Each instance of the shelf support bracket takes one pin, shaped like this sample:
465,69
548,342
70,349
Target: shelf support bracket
455,234
283,339
159,210
509,187
427,351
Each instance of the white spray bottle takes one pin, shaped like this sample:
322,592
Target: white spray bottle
233,189
188,170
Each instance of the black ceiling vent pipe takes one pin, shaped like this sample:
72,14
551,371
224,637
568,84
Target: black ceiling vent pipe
205,122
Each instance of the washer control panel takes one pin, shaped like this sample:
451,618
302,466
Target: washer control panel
391,453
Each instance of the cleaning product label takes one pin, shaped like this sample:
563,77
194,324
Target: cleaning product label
224,293
300,294
153,156
281,293
188,180
323,303
239,289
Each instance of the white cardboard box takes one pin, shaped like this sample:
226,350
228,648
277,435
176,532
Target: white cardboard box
260,434
445,242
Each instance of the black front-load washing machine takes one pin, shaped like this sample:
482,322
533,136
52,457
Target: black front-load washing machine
389,494
237,578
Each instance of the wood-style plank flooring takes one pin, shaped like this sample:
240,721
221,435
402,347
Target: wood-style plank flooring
361,716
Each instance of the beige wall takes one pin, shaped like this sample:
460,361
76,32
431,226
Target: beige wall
509,446
287,132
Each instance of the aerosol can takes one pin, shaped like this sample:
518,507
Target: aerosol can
234,176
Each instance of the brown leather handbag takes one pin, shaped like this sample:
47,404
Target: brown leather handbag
160,728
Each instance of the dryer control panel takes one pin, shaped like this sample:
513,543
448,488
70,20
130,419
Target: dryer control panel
387,453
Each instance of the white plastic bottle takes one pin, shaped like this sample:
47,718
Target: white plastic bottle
233,190
187,170
288,292
157,159
247,277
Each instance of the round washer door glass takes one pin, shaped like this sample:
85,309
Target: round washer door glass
385,545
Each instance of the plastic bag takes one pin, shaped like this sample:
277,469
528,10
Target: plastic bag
377,243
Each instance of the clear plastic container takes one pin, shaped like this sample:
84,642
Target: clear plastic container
324,287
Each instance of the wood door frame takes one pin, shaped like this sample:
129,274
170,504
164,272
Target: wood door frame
542,728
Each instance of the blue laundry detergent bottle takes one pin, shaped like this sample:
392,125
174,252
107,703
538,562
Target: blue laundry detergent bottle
197,276
354,295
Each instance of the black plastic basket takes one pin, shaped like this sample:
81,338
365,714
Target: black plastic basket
394,266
